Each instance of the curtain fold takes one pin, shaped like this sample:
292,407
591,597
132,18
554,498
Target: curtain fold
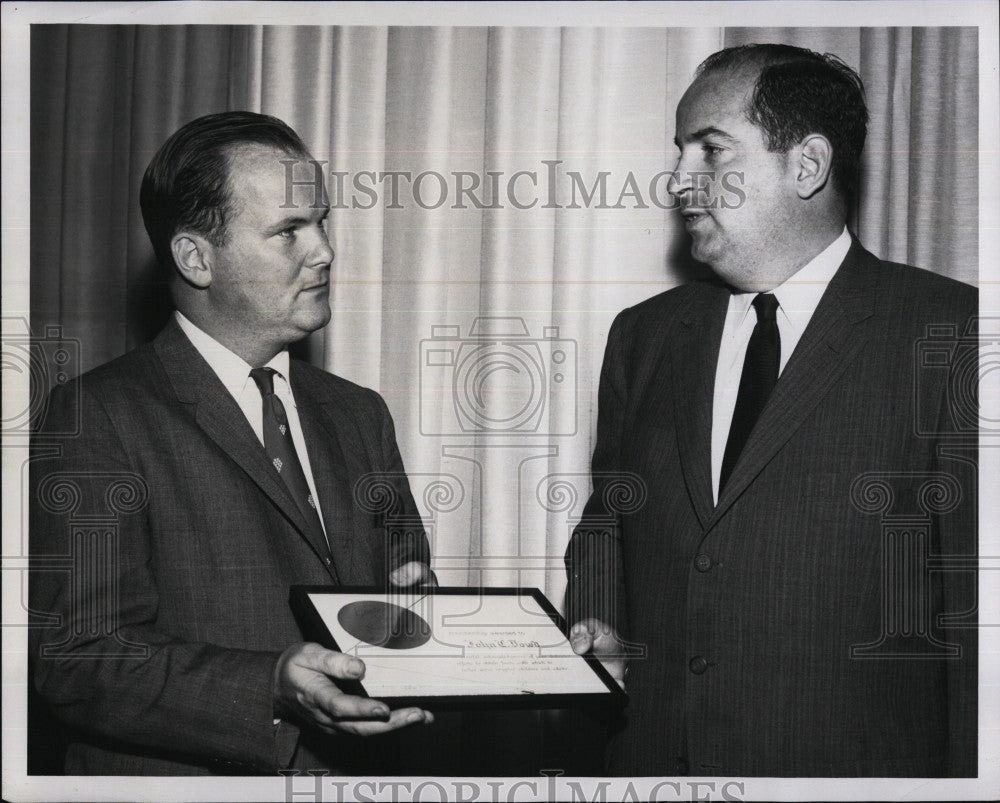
356,142
513,177
944,177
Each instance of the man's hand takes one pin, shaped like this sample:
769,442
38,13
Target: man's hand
592,635
305,694
413,573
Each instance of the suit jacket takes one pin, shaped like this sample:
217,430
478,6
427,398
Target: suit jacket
805,625
166,545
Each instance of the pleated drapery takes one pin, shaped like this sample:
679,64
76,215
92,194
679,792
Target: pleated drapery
455,107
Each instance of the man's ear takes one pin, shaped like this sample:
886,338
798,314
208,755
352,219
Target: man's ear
813,165
193,258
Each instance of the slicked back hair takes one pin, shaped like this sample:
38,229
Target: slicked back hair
186,185
799,92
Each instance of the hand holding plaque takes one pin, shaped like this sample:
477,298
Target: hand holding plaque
306,675
306,692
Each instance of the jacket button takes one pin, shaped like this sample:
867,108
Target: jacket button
698,664
703,562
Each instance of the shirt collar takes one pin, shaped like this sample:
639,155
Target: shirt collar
800,294
232,370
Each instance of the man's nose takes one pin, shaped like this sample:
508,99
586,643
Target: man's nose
322,252
680,179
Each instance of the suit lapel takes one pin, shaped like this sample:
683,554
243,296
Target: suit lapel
830,343
195,384
330,472
695,353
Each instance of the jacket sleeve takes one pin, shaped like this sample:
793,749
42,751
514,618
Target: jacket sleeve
593,559
98,657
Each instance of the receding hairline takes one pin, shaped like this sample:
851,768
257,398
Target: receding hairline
251,150
748,69
740,73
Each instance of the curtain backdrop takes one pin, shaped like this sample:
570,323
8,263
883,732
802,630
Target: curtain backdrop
471,105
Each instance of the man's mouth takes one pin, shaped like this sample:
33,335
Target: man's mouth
320,286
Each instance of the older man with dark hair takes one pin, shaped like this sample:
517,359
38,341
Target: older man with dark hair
229,470
777,597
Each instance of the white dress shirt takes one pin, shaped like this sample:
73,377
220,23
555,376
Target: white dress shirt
234,373
797,298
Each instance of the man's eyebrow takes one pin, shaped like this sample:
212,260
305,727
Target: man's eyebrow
708,131
296,220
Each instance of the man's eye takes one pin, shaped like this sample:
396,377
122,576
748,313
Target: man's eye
711,150
288,233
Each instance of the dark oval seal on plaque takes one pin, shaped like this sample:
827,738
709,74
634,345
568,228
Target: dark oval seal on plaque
383,624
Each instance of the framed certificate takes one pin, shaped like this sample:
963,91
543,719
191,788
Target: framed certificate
455,647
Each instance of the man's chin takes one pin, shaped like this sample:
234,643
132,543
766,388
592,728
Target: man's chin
702,251
322,321
314,321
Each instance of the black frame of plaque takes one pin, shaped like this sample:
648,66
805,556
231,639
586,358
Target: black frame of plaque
313,627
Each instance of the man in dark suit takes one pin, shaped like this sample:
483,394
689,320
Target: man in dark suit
208,473
780,595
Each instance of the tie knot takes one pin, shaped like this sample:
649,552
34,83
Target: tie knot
767,307
264,377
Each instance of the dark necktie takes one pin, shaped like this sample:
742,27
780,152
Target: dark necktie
280,448
760,373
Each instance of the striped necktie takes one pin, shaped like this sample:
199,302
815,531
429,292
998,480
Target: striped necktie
280,448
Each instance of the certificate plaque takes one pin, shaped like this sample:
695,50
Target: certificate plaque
455,647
